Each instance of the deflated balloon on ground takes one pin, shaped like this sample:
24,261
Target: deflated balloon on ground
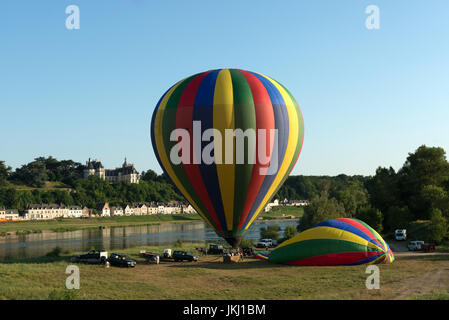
334,242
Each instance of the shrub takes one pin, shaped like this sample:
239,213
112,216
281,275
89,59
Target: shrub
56,252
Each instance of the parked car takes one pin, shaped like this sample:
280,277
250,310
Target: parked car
179,255
215,249
92,257
121,260
266,243
415,245
400,234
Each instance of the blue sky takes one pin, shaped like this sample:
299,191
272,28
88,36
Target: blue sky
368,96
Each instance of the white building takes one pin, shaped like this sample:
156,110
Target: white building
75,212
116,211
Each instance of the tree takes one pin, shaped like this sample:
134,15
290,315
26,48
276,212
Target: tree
383,189
270,232
371,216
438,226
426,167
397,218
321,209
5,172
149,175
33,174
435,198
289,232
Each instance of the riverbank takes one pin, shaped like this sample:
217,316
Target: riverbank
409,277
17,228
73,224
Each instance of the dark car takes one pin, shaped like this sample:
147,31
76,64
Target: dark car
179,255
92,256
121,260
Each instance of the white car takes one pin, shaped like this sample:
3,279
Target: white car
266,243
415,245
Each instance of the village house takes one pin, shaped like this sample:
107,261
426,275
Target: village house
75,211
103,209
116,211
12,214
43,212
268,207
152,208
86,212
2,214
128,211
188,209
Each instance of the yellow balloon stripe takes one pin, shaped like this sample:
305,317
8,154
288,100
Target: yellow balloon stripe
163,155
223,118
332,234
289,152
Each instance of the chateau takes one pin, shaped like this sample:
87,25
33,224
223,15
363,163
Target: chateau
126,172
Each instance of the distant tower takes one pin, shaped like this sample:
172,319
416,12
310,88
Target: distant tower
89,170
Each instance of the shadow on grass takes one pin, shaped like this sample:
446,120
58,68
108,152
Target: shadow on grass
34,260
218,264
434,257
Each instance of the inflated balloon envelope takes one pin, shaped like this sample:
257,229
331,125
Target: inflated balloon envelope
189,131
334,242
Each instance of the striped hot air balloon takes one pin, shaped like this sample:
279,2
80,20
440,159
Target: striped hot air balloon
228,193
334,242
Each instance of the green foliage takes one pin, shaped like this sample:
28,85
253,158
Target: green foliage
56,252
321,209
5,171
397,218
178,243
438,226
63,294
246,243
372,216
289,232
270,232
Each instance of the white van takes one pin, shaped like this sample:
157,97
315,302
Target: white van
400,234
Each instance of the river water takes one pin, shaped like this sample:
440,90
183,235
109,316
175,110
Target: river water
38,244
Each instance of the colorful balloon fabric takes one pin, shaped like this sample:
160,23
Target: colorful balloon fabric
228,196
334,242
264,255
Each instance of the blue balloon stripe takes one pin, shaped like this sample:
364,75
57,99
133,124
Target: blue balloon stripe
203,111
282,126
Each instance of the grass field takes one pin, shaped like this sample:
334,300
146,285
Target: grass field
409,277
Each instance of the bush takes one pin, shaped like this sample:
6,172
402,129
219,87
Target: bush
56,252
246,243
437,227
178,243
270,232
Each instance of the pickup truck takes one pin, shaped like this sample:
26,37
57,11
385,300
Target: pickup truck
121,260
92,257
179,255
266,243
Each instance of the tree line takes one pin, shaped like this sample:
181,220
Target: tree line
387,201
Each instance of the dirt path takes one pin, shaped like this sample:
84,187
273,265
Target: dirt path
436,280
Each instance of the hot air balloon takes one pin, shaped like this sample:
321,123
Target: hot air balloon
227,139
334,242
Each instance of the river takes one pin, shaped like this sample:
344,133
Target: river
38,244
